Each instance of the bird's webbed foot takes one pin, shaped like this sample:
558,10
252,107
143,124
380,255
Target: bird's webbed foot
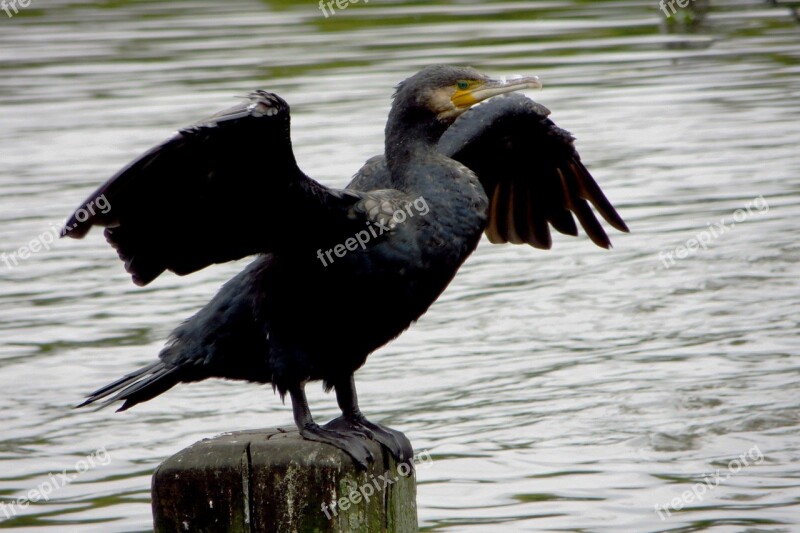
394,441
352,419
350,441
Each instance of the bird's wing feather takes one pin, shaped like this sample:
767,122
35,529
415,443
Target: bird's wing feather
531,172
219,190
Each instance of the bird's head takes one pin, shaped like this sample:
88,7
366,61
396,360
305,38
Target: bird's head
448,91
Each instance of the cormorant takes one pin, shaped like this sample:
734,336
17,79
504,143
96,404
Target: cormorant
339,272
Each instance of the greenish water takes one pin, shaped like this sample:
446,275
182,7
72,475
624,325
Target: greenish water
569,390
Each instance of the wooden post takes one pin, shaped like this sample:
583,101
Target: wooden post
273,480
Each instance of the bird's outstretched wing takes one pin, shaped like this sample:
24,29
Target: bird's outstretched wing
219,190
531,172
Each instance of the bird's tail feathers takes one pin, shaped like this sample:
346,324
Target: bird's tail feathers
139,386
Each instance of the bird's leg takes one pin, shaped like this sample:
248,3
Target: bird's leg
351,442
394,441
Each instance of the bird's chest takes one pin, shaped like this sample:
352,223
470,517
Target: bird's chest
457,216
420,260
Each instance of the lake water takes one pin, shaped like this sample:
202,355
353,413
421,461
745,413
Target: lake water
570,390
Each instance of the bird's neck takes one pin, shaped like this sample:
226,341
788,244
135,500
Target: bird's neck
411,135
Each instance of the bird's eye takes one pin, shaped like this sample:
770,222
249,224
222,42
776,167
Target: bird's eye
463,85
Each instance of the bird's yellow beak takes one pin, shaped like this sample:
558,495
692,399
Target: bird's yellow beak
470,92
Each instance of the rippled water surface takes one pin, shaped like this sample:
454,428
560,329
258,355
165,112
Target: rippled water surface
569,390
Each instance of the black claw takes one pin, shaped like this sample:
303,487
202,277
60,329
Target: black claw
344,425
349,442
394,441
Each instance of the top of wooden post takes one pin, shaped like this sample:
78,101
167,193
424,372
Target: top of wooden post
274,480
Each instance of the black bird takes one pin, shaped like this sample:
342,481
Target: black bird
339,272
